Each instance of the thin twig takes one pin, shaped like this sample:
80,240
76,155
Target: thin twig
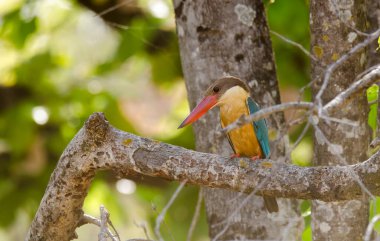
228,220
289,41
104,217
301,136
113,8
297,121
114,229
343,121
268,111
161,216
88,219
143,226
365,81
197,212
241,205
370,227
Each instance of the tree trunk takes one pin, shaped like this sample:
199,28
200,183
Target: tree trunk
331,37
231,38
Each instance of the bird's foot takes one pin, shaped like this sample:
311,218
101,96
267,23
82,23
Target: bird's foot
254,158
234,156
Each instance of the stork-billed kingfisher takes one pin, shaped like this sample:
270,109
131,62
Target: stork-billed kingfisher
251,140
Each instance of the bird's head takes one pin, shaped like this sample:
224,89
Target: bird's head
213,97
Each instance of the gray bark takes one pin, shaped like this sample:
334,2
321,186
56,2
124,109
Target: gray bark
231,37
332,33
99,146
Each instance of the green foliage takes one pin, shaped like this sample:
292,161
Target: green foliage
60,58
64,60
372,96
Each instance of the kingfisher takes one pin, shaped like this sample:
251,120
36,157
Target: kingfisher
232,96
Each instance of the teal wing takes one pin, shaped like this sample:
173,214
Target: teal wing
260,126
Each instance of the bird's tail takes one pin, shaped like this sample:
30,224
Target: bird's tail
270,204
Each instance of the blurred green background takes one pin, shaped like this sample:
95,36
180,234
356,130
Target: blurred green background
61,60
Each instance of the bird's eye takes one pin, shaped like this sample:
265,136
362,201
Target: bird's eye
216,89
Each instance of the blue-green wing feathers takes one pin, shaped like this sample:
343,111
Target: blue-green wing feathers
260,126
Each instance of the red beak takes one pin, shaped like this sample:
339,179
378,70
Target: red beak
206,104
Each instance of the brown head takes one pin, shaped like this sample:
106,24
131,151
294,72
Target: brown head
212,96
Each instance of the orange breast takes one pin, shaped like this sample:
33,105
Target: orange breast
243,139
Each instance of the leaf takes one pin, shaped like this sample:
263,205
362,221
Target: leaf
372,96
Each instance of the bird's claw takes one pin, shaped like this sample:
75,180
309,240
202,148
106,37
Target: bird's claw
234,156
254,158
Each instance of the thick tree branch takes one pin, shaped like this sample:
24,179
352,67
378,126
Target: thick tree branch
99,146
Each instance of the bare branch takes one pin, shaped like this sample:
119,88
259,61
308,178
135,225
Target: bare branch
98,146
161,216
301,136
196,215
113,8
104,217
86,219
289,41
144,228
365,82
267,112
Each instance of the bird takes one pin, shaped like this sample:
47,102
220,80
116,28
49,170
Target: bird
233,98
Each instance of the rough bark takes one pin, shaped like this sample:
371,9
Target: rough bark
99,146
332,34
231,37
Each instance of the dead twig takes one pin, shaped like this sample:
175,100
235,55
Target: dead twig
104,217
88,219
266,112
289,41
161,216
143,226
365,81
195,218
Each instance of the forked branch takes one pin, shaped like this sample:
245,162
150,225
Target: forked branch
99,146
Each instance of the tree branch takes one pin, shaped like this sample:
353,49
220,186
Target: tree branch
369,77
332,67
99,146
267,112
86,219
291,42
365,81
